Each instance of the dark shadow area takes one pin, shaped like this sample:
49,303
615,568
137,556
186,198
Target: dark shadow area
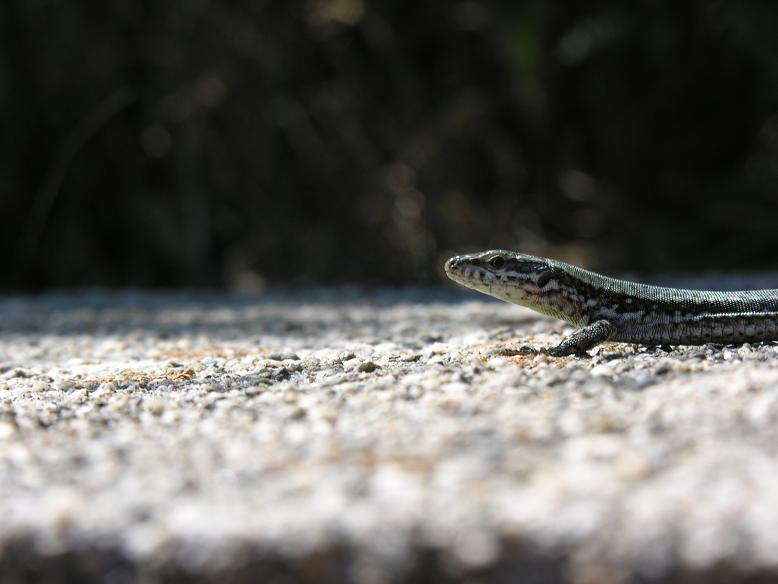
518,561
338,563
371,313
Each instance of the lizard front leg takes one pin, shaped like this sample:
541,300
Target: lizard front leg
584,339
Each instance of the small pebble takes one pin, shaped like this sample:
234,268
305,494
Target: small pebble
367,367
284,357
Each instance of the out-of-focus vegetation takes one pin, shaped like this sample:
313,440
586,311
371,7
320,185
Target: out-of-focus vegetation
205,142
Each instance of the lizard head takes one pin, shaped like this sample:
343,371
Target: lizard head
514,277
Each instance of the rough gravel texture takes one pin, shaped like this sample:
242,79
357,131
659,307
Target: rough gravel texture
384,437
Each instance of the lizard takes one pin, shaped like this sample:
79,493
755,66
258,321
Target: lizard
609,309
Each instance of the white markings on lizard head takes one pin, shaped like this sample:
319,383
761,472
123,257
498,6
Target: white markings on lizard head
522,279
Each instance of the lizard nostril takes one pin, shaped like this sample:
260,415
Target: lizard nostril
451,264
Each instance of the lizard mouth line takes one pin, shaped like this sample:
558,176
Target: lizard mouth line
469,275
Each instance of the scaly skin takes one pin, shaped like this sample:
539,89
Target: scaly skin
607,309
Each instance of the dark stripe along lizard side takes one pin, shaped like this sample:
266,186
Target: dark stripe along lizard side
608,309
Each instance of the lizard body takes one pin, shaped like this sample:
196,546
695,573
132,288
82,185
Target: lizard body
609,309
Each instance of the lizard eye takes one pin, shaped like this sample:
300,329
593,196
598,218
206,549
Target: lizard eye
497,262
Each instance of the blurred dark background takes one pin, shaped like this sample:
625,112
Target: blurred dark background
235,143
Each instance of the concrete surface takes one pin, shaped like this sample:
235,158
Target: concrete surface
372,437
